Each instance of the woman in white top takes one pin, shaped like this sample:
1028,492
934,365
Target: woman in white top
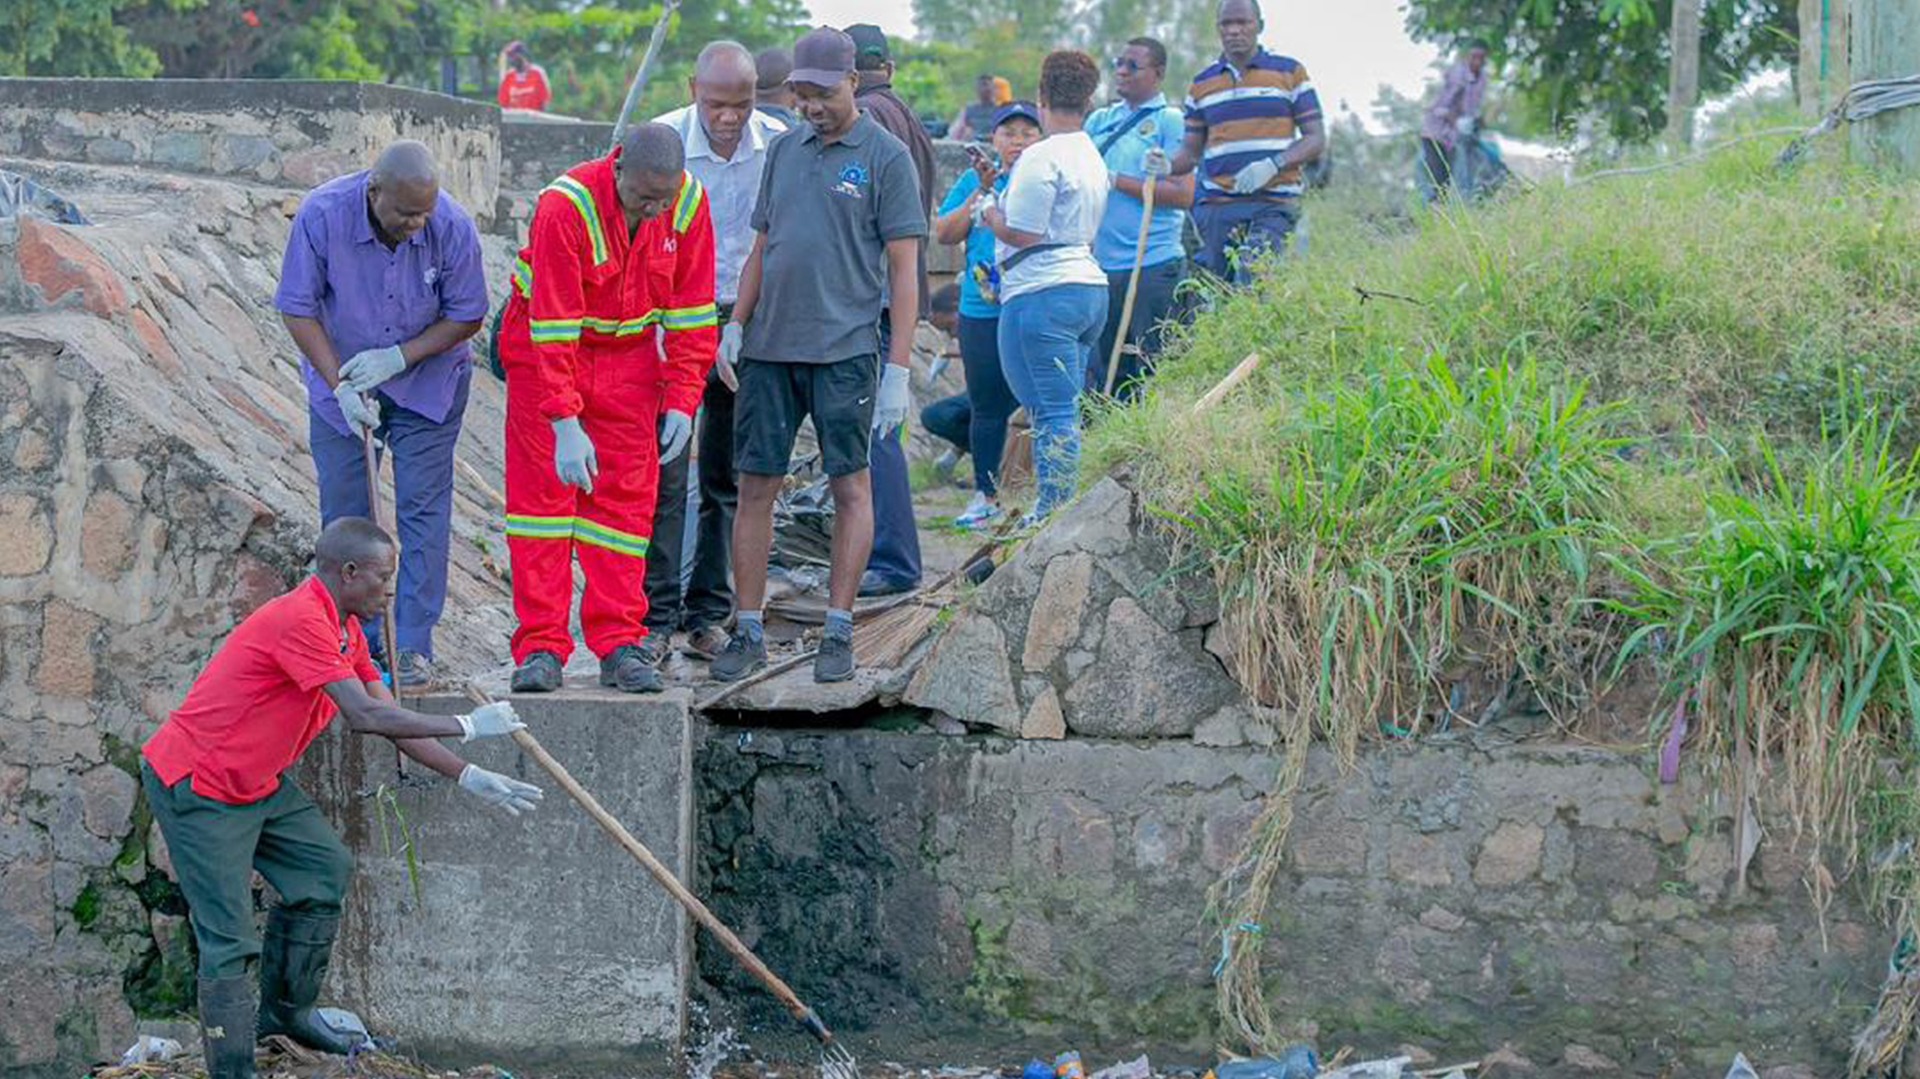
1053,295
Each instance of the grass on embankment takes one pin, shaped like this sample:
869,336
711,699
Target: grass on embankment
1651,425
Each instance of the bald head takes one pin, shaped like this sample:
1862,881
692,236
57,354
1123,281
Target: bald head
725,62
403,189
406,162
350,540
723,92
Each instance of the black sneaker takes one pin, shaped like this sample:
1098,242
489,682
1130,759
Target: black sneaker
741,657
834,661
539,674
627,670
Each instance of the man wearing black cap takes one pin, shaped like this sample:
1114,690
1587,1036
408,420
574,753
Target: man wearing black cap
840,217
895,564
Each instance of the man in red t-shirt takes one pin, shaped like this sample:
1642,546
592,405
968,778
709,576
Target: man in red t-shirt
215,777
524,86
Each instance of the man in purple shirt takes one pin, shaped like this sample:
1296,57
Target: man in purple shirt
1454,116
381,287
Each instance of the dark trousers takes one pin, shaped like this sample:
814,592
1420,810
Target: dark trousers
1154,304
1234,234
215,849
423,489
896,535
992,400
950,419
694,591
1436,168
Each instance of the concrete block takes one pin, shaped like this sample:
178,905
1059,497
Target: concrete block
535,931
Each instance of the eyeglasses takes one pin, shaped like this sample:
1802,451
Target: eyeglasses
1127,64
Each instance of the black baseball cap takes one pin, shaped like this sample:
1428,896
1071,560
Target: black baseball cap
823,58
869,43
1017,110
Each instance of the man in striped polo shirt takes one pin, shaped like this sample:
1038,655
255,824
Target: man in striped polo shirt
1253,120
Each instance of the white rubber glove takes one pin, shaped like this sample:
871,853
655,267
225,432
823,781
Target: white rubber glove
1156,164
728,357
367,370
1255,175
497,790
360,414
490,721
890,405
573,456
1465,125
676,430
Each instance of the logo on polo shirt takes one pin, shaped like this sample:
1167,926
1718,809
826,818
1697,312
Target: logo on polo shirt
1147,128
432,275
852,179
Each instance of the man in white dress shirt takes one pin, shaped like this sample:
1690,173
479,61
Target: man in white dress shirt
726,141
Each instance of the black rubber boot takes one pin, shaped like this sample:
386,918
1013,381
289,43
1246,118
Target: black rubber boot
226,1026
293,964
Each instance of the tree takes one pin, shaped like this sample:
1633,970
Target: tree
72,38
1607,59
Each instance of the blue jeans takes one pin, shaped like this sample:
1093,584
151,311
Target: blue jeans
423,486
1047,339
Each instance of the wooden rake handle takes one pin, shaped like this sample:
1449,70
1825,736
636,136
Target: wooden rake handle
664,877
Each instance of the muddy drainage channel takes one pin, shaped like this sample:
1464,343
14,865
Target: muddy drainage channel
1535,907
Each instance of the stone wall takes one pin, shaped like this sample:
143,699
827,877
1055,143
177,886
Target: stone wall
946,896
155,487
286,134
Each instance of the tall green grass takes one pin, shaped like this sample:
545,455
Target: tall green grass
1648,425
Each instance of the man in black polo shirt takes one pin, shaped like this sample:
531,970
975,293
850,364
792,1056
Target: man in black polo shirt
839,218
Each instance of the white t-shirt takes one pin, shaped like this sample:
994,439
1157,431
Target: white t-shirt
1058,191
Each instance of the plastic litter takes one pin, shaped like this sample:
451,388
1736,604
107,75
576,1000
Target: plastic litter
1068,1066
1741,1069
1037,1069
21,197
1132,1069
150,1049
344,1023
1389,1068
1298,1062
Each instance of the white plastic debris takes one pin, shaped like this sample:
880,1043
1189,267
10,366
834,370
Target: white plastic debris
343,1022
1741,1069
1132,1069
150,1049
1389,1068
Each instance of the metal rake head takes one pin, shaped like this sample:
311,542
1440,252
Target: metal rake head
836,1062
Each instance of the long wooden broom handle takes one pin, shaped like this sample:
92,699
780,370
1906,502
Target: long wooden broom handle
1133,283
531,747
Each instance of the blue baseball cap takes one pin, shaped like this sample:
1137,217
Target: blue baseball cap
1017,110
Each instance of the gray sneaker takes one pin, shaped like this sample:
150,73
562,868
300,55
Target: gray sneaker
654,648
706,643
414,672
741,657
626,670
834,661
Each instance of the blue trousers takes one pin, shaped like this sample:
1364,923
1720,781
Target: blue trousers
1047,339
896,535
423,487
1233,234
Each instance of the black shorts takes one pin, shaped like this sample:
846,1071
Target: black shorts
775,397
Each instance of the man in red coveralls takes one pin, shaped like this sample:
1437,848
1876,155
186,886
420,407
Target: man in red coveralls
215,776
606,342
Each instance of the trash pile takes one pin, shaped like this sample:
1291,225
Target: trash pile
278,1058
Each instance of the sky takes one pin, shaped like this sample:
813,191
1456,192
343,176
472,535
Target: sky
1349,47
